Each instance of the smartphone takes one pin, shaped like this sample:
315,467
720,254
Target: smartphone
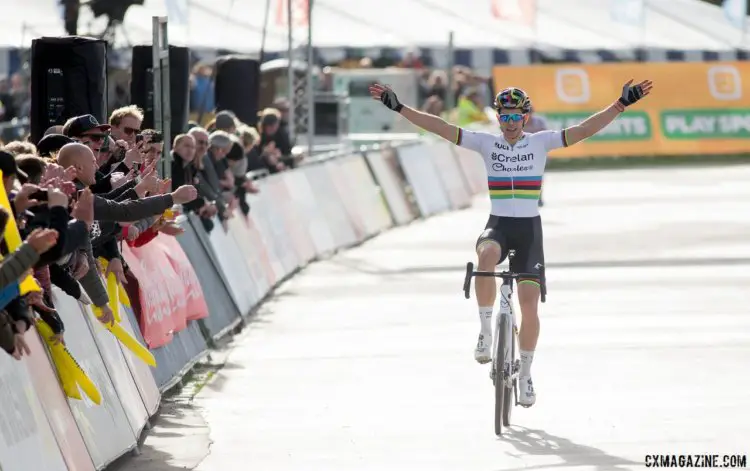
105,144
40,195
138,138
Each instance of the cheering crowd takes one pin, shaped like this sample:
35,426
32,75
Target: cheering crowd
85,188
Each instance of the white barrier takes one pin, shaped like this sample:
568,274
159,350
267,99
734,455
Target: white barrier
421,171
298,216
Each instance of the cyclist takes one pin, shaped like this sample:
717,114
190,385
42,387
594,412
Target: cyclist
515,163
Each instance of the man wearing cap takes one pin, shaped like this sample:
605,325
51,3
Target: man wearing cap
50,144
226,121
87,130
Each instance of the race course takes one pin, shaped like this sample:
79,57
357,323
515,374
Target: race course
365,361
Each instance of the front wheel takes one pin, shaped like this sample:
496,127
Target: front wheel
503,394
509,397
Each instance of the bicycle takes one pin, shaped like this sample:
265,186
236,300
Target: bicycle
505,355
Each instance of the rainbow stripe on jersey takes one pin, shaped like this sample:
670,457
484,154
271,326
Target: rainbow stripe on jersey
505,188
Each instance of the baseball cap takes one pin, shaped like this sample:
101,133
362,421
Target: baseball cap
79,125
225,120
51,143
8,165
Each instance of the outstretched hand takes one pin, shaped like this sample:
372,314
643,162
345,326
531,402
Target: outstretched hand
632,93
386,96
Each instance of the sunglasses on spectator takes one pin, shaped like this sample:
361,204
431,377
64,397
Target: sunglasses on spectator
513,118
130,131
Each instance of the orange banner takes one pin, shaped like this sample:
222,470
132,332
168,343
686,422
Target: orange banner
695,108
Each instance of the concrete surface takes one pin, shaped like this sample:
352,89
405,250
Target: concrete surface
364,362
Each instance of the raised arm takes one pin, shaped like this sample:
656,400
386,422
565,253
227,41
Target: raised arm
426,121
598,121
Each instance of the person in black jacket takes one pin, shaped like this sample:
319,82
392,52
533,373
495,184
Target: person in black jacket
185,173
82,159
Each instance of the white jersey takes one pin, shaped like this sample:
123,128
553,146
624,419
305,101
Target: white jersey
514,172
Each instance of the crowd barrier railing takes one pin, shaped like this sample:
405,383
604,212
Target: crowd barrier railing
85,405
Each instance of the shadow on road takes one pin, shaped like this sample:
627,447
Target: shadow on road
540,443
635,263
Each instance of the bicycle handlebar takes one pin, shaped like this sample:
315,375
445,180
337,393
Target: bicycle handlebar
505,275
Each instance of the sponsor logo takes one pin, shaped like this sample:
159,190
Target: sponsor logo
725,83
572,85
498,167
629,126
706,124
512,158
501,146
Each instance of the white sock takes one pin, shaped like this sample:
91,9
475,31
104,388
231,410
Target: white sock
485,317
527,356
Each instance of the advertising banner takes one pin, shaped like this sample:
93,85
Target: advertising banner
195,303
161,293
55,405
26,440
105,427
696,108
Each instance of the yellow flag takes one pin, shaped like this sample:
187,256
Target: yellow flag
13,240
71,374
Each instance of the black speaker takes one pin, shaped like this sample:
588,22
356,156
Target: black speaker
142,86
237,86
68,78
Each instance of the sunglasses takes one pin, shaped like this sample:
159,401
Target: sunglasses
513,118
130,131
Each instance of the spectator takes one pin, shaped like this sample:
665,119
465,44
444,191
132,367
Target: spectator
208,181
220,143
202,90
282,138
470,109
184,173
13,322
226,121
434,106
19,147
251,146
126,123
437,85
411,60
237,162
268,127
51,143
57,129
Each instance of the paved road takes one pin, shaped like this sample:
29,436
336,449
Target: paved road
364,362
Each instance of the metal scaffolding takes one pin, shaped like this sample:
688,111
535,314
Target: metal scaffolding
300,85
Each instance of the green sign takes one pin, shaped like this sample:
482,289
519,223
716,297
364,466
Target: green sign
706,124
629,126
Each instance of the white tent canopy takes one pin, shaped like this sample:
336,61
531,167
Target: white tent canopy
237,25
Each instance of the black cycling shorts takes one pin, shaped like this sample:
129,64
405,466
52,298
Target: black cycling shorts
524,237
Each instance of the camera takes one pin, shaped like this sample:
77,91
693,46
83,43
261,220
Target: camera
39,195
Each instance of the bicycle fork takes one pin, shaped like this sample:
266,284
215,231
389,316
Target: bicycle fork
509,365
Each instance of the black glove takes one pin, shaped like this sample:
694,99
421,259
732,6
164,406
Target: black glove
390,100
630,94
